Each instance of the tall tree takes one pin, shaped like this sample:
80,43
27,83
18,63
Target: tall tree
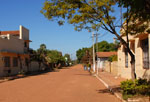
67,58
55,57
41,54
80,53
90,15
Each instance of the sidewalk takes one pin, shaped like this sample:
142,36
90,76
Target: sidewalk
112,83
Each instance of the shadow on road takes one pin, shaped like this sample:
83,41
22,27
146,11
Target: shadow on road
29,74
110,90
83,74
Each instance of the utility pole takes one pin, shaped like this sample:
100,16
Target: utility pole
121,15
93,53
96,52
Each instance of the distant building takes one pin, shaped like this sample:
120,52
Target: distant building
14,51
102,57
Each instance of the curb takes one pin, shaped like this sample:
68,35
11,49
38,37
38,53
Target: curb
110,89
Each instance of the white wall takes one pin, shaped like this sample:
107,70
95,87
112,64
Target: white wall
12,45
24,33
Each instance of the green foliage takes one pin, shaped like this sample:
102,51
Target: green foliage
138,87
46,56
139,9
42,51
138,14
113,58
104,46
80,53
54,56
83,14
67,58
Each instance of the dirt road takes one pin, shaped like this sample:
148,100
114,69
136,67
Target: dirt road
68,85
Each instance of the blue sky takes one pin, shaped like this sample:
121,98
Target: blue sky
27,13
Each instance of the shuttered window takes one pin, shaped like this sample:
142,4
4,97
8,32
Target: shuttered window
7,61
126,58
15,62
145,53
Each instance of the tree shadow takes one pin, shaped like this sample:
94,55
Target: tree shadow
28,74
110,90
83,74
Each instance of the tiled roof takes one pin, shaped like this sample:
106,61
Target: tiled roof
106,54
9,32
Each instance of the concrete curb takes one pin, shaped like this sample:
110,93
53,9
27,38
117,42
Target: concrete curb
110,89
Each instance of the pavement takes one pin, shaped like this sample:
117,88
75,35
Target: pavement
71,84
112,83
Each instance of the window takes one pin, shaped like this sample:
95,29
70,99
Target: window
145,53
15,62
25,44
126,58
7,61
26,61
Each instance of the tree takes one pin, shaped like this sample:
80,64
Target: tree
80,53
67,58
41,54
139,9
90,15
55,57
104,46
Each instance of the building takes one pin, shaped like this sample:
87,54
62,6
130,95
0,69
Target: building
102,57
139,44
14,51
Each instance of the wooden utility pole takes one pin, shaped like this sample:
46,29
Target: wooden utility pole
96,52
93,53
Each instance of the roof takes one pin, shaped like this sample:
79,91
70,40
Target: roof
9,32
106,54
142,36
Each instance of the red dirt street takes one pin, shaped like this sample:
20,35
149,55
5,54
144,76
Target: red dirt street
71,84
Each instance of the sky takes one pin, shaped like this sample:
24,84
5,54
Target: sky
42,31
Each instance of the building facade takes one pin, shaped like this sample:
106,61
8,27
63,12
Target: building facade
14,51
102,57
139,44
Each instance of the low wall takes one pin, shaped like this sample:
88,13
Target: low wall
111,67
34,66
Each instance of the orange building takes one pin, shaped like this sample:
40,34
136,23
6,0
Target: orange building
14,51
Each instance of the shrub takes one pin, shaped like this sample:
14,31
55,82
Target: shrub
138,87
128,87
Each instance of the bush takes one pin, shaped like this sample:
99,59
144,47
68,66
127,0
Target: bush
138,87
112,58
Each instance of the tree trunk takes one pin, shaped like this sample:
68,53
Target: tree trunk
132,62
133,74
39,66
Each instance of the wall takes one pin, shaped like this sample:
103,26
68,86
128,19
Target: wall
11,45
112,67
140,71
101,62
34,66
24,33
14,70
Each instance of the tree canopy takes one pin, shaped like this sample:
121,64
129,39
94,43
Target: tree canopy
104,46
85,53
54,56
80,53
139,9
83,14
